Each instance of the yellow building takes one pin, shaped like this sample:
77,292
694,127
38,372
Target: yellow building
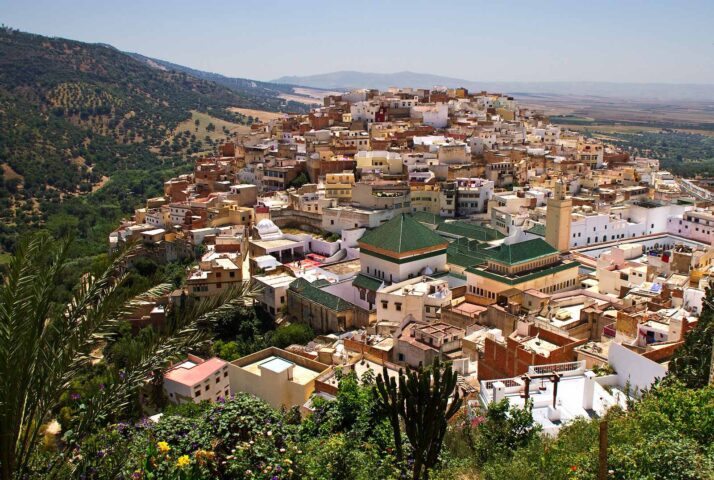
339,186
557,219
229,214
280,378
426,198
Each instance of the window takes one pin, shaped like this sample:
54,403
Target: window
207,387
197,393
232,274
225,374
218,379
398,306
218,285
385,304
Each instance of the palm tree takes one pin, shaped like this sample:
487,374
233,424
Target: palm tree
43,345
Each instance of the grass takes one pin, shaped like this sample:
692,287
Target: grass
201,131
259,114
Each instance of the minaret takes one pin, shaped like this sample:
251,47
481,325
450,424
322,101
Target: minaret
557,219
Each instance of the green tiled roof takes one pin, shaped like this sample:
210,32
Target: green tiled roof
470,230
520,252
524,278
537,229
464,255
402,234
363,281
428,218
309,291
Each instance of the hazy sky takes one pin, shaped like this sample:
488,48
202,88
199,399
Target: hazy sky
508,40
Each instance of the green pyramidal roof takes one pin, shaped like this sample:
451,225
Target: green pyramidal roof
402,234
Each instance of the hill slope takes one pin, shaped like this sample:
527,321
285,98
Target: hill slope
266,95
73,114
349,80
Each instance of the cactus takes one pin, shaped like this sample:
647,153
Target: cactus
425,401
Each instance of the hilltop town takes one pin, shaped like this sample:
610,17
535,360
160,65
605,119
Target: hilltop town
411,225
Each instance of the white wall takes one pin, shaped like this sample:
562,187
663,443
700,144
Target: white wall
630,367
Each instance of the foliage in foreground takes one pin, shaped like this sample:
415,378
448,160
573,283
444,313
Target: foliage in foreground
46,345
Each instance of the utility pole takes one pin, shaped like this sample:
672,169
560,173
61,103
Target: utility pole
602,460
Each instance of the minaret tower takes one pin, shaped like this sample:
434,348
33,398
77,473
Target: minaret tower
557,218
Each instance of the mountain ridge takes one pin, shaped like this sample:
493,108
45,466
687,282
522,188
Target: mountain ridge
351,79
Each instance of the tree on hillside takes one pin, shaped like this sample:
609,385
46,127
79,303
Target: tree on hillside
45,345
424,399
299,181
691,363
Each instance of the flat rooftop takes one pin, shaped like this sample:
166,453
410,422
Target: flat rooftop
344,268
276,364
273,244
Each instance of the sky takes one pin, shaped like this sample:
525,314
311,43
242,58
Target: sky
497,40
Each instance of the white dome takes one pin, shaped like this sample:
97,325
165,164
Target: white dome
267,229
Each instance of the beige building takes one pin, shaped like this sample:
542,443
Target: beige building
387,163
421,297
281,378
215,273
557,222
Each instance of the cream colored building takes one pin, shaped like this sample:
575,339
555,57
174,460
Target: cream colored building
280,378
421,297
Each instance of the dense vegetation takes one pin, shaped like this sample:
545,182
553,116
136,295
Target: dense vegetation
73,114
685,154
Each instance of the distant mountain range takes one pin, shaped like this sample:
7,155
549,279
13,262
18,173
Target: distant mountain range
346,80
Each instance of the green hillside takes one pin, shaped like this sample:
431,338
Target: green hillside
73,114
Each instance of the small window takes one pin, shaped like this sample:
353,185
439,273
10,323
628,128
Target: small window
398,306
207,387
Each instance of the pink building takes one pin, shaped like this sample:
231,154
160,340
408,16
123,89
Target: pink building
695,224
195,380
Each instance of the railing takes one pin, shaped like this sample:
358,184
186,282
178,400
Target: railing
568,367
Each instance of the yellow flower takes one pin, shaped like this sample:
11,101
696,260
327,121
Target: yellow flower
164,447
183,461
